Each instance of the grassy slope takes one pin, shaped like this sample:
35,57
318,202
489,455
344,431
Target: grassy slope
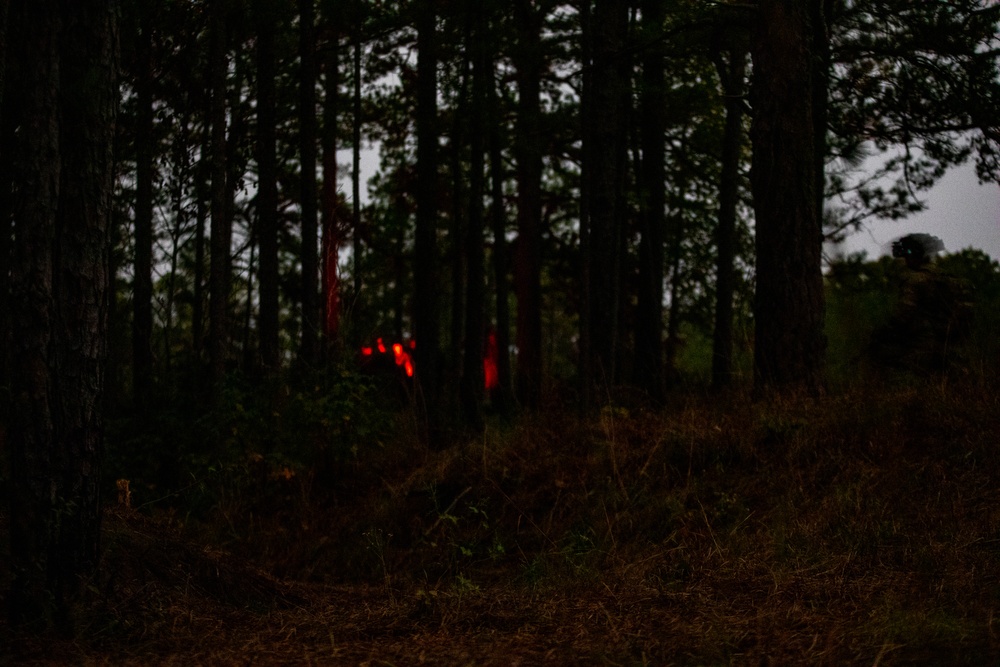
863,528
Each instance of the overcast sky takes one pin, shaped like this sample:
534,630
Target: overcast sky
960,211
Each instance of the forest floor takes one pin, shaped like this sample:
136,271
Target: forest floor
860,528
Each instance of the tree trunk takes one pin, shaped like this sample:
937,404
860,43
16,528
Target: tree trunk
732,73
181,166
142,281
356,170
528,252
607,132
198,276
458,229
203,193
503,396
61,289
221,232
425,262
4,14
585,370
820,11
307,138
328,200
32,431
788,307
89,100
652,188
475,324
7,126
267,187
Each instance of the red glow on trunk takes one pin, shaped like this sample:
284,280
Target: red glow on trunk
490,375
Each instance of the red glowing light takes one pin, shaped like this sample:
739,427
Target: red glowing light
491,376
403,358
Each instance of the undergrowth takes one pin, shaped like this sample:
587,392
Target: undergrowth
861,527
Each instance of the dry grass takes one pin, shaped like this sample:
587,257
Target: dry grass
863,528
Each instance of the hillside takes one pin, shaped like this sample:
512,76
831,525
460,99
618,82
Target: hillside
862,528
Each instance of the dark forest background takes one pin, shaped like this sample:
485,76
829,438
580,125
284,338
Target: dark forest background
577,207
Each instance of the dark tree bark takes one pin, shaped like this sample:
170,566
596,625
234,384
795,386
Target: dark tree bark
459,208
528,61
607,133
732,72
652,189
4,14
426,306
472,389
32,430
142,285
586,352
267,186
7,126
331,225
251,359
198,277
221,232
307,138
203,175
61,291
788,308
821,11
356,233
181,169
503,395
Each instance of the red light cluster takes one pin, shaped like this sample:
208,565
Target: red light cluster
400,355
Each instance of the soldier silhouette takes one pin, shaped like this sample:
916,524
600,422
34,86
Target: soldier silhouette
930,315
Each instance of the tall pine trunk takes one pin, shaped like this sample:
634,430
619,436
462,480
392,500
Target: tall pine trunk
503,395
788,308
606,130
457,146
203,193
356,231
652,189
472,371
426,307
329,221
267,187
221,231
60,301
528,252
585,369
7,126
142,281
307,149
732,71
32,430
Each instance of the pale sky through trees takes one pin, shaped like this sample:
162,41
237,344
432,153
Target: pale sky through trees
960,211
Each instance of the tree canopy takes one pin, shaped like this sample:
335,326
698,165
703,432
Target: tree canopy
594,134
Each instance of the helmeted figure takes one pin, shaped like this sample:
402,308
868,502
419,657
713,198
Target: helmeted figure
931,315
